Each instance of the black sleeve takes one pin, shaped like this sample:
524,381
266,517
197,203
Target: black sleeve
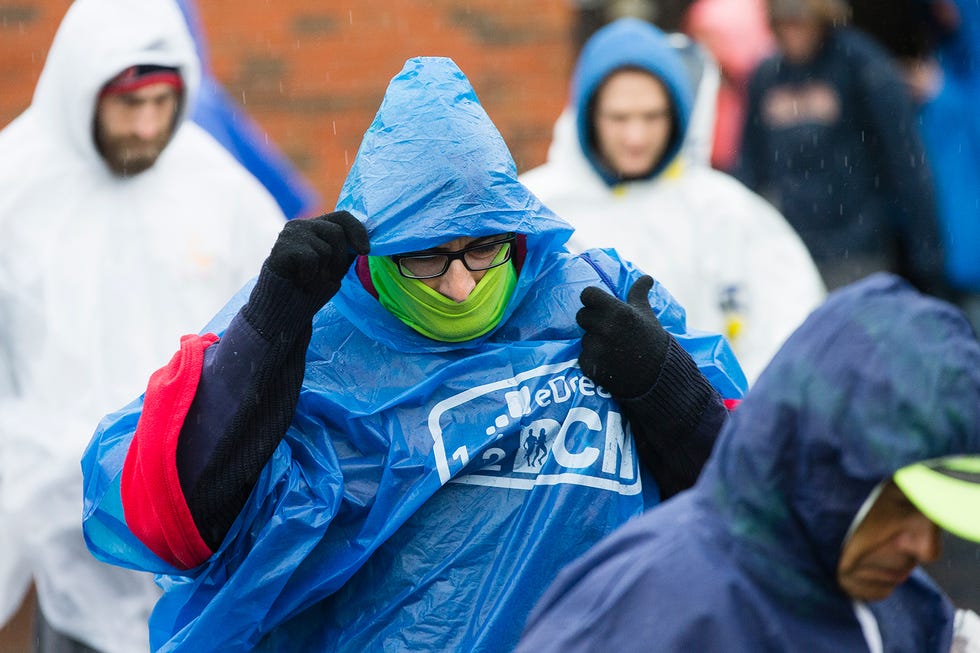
751,149
676,430
244,404
893,133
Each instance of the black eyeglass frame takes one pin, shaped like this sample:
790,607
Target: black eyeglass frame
452,256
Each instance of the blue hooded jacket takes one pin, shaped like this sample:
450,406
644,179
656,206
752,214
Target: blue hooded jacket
950,127
877,378
629,43
407,507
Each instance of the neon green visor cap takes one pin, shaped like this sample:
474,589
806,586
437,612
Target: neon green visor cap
947,491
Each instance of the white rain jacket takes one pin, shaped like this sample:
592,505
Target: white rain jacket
99,276
727,255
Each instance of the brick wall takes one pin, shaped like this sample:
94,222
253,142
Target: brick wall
312,73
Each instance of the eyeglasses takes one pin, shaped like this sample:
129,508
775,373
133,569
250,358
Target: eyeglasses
481,256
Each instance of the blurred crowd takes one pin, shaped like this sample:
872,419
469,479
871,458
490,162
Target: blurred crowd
932,45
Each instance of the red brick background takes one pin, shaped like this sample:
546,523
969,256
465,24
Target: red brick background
312,73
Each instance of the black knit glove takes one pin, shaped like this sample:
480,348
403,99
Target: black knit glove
304,269
624,346
314,255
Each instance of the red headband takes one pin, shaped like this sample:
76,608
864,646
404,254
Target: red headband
136,77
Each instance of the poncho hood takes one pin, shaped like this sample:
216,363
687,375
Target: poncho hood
97,40
876,379
629,42
432,167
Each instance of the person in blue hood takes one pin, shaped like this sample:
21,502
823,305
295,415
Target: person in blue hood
622,170
422,408
824,493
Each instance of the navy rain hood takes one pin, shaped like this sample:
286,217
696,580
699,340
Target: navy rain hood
877,378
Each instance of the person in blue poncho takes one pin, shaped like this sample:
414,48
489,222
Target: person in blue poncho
422,408
824,494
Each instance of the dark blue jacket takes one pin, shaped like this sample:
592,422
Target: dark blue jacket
877,378
835,146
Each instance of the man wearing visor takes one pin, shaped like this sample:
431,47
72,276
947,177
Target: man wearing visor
824,495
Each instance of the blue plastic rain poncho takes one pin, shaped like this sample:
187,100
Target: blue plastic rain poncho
877,378
950,127
405,508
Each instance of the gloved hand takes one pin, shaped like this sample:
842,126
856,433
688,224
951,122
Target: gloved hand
303,271
624,346
313,255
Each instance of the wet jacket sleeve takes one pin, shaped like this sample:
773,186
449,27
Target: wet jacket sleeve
153,500
748,168
247,386
676,430
894,129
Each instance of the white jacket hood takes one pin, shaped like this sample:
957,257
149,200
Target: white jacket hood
99,277
97,40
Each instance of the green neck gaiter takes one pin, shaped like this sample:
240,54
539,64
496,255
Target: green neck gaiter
436,316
